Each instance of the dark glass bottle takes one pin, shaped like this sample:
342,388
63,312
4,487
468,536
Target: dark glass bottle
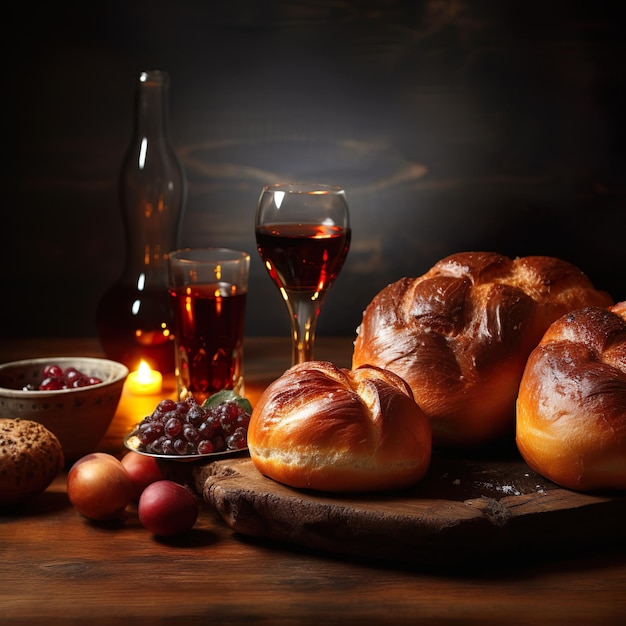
134,319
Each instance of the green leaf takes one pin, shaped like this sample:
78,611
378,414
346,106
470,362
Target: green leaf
225,396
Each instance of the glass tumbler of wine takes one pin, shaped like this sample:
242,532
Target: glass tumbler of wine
303,237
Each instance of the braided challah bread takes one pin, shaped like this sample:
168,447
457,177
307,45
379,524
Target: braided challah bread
330,429
460,336
571,408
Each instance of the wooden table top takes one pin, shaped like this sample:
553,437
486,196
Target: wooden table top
58,568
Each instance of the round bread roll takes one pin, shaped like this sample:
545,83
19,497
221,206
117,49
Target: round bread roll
571,408
461,333
330,429
30,458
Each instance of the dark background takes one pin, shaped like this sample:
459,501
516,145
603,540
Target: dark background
454,125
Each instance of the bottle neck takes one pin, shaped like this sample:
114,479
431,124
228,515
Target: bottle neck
152,183
151,107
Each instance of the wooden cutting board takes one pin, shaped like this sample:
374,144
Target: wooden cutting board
464,509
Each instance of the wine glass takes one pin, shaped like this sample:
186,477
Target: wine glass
303,236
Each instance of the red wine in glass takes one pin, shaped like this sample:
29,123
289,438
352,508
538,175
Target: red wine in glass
303,238
303,257
209,325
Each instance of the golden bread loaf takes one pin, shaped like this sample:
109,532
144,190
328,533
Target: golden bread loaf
571,408
30,458
330,429
461,333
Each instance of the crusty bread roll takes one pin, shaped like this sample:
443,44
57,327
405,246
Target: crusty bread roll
330,429
30,459
571,408
461,333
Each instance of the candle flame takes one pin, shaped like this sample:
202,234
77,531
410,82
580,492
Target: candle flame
144,381
143,372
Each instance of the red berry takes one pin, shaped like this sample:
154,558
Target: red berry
55,378
205,447
71,373
52,371
80,381
186,428
51,384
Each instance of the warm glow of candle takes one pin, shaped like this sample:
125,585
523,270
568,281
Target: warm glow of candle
144,381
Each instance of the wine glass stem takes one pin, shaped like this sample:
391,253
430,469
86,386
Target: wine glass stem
304,312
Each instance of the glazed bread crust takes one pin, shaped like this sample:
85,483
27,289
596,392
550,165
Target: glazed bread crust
571,408
325,428
461,333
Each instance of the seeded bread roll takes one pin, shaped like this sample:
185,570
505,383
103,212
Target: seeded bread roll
330,429
571,408
461,333
30,458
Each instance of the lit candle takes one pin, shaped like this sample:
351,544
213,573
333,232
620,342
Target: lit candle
145,381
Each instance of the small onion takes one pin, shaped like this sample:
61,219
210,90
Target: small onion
99,487
143,471
167,508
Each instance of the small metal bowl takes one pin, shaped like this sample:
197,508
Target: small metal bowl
180,467
131,442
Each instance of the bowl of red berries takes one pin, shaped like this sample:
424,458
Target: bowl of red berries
189,431
73,397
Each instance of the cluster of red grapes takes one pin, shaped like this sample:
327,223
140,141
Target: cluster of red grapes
55,377
182,428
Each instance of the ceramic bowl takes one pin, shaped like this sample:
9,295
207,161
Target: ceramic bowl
78,417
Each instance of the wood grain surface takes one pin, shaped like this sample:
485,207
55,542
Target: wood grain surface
58,569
